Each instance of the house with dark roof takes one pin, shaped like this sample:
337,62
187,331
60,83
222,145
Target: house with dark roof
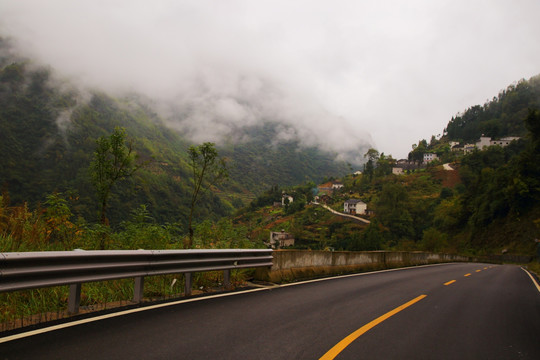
354,206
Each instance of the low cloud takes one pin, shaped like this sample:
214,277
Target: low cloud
344,76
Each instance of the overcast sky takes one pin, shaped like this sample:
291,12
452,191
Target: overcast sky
347,74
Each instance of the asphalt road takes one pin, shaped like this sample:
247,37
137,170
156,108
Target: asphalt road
492,313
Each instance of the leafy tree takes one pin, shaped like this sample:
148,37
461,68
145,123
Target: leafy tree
114,160
373,156
209,169
384,165
417,154
434,240
392,210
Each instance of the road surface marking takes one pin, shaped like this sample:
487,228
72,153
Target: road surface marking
145,308
340,346
469,274
120,313
478,270
450,282
532,279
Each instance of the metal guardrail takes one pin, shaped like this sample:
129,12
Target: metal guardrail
32,270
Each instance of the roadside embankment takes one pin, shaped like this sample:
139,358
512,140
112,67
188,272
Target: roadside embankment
291,265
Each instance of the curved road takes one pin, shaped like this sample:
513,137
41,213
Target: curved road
451,311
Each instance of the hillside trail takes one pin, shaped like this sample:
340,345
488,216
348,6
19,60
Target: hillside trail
342,214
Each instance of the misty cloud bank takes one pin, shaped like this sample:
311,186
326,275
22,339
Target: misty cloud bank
206,114
346,75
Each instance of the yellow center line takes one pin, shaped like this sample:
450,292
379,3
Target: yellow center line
478,270
469,274
340,346
450,282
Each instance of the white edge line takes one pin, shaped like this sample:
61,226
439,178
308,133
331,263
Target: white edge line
119,313
151,307
363,274
532,279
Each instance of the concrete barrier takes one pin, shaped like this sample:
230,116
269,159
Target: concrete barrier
291,265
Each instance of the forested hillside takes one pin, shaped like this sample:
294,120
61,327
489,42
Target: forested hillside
48,133
502,116
487,202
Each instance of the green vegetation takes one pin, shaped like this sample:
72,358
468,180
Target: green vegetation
488,205
59,150
113,161
208,170
502,116
48,140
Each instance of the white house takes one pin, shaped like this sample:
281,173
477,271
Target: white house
337,185
484,142
397,171
467,148
503,141
280,239
429,157
286,199
354,206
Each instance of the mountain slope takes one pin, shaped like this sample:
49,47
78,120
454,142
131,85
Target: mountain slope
48,131
502,116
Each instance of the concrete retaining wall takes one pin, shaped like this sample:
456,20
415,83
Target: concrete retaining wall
290,265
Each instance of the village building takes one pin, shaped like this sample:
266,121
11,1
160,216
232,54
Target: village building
354,207
483,142
280,239
336,185
397,171
286,199
503,141
457,147
467,148
429,157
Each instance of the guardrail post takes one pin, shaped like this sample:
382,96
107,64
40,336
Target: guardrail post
187,285
138,289
227,278
74,298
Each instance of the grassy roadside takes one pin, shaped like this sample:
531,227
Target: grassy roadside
28,308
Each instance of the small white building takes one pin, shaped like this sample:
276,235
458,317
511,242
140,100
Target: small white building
484,142
429,157
468,148
354,206
286,199
503,141
280,239
337,185
397,171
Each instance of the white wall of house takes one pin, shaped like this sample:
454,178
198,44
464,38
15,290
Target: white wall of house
290,198
350,207
504,141
484,142
428,157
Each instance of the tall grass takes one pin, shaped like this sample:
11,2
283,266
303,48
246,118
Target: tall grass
51,228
